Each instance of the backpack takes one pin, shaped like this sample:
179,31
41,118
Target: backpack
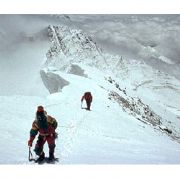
87,96
42,120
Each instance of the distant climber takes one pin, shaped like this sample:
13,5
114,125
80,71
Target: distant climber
45,125
88,97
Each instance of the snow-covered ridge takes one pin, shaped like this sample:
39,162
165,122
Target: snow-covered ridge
72,45
135,107
71,49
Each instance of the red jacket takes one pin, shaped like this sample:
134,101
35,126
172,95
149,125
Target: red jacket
87,96
52,125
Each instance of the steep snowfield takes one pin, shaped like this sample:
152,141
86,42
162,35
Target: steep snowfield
106,134
71,49
112,136
133,105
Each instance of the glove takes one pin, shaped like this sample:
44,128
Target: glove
30,141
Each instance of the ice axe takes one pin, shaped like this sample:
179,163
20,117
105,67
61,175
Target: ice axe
81,104
30,155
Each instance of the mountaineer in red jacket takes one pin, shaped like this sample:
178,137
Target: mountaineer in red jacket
45,125
88,97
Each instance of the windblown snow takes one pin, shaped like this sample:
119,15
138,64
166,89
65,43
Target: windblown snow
122,60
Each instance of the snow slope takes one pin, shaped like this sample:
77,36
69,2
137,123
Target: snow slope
105,135
71,49
134,104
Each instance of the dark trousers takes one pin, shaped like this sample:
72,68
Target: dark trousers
88,104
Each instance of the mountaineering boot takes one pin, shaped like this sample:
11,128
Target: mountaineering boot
51,157
41,157
51,152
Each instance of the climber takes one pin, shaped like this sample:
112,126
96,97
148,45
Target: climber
88,97
45,125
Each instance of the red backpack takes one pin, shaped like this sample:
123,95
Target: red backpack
87,96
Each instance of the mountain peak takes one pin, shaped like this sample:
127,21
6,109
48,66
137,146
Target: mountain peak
72,44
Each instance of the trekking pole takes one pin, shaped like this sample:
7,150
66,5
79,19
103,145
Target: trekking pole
30,155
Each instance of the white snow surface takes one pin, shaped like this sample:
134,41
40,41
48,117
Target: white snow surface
111,133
